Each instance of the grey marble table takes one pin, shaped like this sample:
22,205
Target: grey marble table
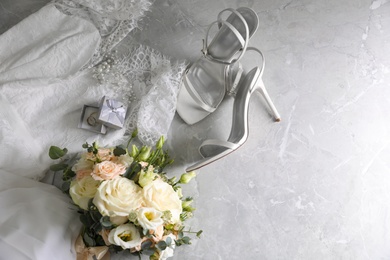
317,184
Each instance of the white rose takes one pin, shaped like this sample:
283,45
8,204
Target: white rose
125,236
169,250
82,190
118,197
161,196
149,218
82,164
125,160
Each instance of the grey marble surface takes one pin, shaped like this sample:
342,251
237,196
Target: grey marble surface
317,184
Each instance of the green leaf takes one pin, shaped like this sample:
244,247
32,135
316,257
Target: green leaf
118,151
168,240
186,240
146,245
199,233
106,223
88,240
161,245
58,167
85,220
65,186
55,152
97,227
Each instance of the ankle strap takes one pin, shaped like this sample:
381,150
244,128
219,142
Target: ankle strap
262,58
220,22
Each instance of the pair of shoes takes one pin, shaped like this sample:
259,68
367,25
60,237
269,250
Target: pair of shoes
212,149
205,82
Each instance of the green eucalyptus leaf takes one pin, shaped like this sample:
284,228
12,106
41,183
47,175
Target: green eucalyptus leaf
55,152
168,240
58,167
88,240
97,227
106,223
95,215
180,235
146,245
161,245
186,240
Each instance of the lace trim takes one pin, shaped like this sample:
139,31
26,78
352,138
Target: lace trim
149,82
114,19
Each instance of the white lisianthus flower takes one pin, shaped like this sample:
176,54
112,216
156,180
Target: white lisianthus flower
125,160
149,218
161,196
82,190
118,197
169,250
125,236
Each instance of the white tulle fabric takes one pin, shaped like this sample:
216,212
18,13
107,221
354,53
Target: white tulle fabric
46,76
37,221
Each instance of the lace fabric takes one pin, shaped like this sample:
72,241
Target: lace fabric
113,19
144,78
149,82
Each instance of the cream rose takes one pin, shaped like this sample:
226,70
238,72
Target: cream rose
82,164
82,190
83,173
125,160
125,236
161,196
118,197
149,218
107,170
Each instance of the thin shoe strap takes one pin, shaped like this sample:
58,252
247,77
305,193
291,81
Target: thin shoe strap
218,143
191,90
244,42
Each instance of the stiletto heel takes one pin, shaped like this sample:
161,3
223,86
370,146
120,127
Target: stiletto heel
264,92
213,149
204,82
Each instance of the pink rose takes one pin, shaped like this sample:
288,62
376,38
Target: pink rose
107,170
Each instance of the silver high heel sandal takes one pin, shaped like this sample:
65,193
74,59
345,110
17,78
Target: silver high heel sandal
212,150
204,82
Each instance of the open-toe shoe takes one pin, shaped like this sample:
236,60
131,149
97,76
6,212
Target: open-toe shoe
212,150
204,82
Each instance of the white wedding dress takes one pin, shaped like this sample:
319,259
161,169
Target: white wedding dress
46,76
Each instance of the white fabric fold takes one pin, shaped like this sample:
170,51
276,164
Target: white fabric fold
36,220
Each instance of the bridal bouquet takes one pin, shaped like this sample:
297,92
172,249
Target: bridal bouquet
126,201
